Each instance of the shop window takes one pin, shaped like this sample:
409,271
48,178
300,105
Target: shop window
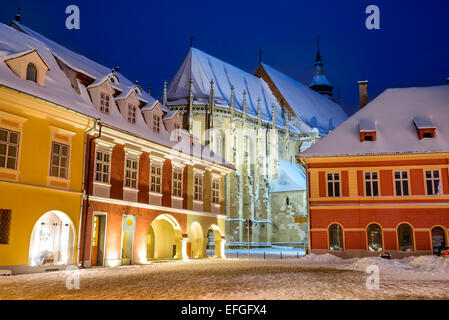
405,238
336,238
374,233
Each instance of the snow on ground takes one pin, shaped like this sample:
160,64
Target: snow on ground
310,277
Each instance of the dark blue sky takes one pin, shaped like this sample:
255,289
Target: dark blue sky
150,39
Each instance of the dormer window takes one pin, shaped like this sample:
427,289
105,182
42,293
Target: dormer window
156,124
104,103
426,128
367,130
131,114
31,73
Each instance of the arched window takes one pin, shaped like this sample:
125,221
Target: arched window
438,240
374,233
335,238
405,238
32,72
220,144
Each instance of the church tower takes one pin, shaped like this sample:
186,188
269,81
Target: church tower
319,81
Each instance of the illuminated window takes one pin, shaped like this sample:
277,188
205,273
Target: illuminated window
433,182
9,149
102,166
131,114
104,103
31,72
374,233
156,124
371,184
177,183
335,238
131,173
215,191
59,160
198,187
333,184
156,178
401,183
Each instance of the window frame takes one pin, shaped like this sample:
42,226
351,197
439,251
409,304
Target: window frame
371,182
60,156
35,74
103,163
8,143
401,180
5,226
131,170
433,179
333,181
107,100
198,187
156,123
329,237
177,184
157,184
132,113
215,198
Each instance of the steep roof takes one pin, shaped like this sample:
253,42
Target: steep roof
311,107
290,178
392,114
58,88
202,68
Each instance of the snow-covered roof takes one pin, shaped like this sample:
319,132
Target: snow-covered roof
290,178
367,125
394,112
202,68
58,88
311,107
319,80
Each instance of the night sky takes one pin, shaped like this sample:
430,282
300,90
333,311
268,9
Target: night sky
150,40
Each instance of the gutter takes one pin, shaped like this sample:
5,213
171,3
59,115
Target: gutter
85,208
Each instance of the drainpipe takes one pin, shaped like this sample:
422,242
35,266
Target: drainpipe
87,189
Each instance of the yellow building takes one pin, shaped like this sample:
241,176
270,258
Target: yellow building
41,157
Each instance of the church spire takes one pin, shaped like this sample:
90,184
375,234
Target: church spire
319,81
232,102
244,106
164,96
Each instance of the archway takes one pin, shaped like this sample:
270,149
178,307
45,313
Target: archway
438,240
196,240
164,235
215,242
52,240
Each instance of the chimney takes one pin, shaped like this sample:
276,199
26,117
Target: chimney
17,16
363,93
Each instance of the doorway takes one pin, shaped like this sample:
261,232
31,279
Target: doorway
98,239
438,240
129,227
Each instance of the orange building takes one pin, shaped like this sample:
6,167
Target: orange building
379,182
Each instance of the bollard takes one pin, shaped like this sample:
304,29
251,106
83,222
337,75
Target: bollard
264,255
281,255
